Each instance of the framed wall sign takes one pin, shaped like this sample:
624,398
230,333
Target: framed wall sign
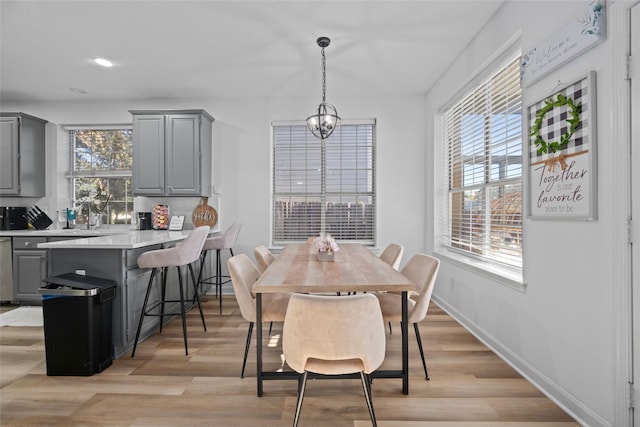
561,151
586,29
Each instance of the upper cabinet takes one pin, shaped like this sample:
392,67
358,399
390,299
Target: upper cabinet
22,155
171,152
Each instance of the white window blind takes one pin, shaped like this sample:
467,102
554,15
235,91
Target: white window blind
346,208
483,137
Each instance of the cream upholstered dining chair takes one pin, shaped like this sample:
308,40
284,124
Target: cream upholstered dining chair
422,269
263,257
243,274
226,240
183,254
392,254
334,335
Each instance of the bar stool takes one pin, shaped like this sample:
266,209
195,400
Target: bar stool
226,240
183,254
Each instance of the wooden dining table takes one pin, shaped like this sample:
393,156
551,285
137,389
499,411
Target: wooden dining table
354,269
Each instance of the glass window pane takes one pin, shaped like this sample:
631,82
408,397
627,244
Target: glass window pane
348,177
97,155
483,137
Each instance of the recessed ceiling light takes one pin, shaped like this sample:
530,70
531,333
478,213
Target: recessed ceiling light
103,62
78,90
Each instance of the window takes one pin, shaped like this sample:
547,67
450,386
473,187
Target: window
100,175
483,147
328,186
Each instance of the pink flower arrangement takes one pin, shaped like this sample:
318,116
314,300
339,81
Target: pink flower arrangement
325,243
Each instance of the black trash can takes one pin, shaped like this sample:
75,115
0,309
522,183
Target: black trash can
77,324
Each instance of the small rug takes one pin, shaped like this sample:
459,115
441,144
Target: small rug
23,316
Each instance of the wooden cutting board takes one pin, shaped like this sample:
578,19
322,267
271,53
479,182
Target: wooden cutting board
204,214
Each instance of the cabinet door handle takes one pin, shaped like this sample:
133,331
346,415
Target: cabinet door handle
27,244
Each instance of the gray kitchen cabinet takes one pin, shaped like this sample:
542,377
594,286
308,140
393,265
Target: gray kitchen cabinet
22,155
171,152
29,269
6,270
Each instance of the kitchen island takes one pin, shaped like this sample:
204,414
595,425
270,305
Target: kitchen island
25,265
114,257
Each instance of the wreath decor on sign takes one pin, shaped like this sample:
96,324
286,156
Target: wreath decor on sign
573,121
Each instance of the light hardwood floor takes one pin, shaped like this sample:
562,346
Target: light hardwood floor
469,386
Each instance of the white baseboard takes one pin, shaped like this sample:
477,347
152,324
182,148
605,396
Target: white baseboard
553,391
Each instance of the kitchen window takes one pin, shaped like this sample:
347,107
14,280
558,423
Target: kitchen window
338,198
482,131
100,172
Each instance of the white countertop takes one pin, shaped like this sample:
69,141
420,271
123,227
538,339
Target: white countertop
131,239
61,232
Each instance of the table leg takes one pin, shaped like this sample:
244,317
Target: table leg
405,344
259,342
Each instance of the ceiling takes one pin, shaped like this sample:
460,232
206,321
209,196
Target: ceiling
214,48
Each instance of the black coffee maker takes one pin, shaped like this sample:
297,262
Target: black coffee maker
144,221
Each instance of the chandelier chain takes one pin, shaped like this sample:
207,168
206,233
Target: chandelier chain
324,76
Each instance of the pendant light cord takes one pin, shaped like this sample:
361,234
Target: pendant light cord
324,76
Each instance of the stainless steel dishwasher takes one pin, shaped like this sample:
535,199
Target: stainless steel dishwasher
6,270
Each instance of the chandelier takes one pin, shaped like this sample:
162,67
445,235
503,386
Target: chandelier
324,119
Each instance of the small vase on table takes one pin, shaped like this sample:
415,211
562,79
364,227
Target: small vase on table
326,247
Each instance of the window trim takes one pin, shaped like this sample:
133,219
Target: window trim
275,123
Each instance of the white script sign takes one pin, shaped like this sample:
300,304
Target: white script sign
562,192
583,32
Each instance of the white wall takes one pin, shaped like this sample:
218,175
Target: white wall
242,155
560,332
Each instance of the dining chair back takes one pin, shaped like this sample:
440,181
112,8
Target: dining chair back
423,270
263,257
243,274
392,254
334,335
